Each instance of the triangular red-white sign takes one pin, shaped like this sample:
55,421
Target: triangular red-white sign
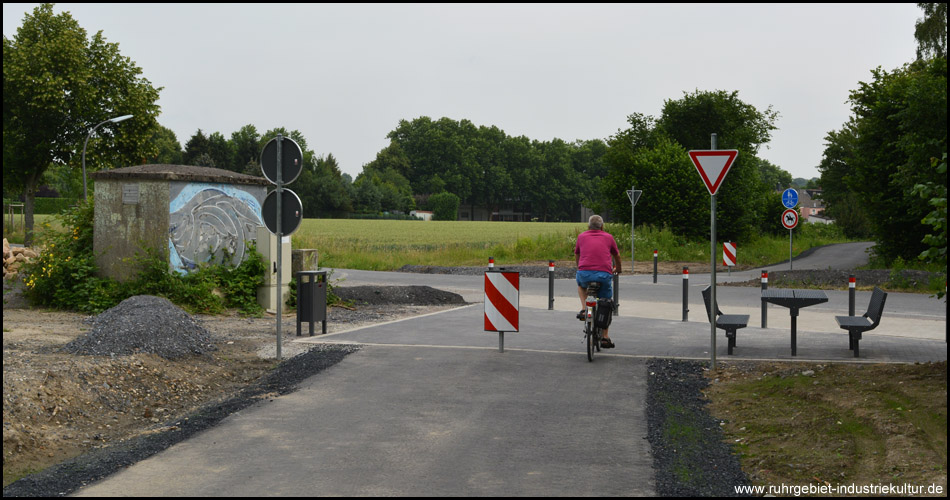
712,165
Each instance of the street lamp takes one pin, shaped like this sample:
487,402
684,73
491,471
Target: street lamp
118,119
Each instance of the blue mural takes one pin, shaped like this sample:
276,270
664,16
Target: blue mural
207,221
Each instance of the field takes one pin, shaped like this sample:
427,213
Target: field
385,245
390,244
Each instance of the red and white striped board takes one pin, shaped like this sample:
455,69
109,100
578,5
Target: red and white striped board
729,254
501,301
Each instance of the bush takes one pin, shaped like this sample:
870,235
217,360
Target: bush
445,206
64,275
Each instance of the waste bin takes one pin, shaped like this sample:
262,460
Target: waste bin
311,299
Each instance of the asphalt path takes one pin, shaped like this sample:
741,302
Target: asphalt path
435,406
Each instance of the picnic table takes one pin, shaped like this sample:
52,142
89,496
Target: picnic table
794,300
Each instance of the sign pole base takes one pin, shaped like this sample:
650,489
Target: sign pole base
501,341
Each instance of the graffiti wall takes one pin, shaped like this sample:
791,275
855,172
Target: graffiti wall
209,221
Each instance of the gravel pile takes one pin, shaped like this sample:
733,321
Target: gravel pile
689,455
144,324
401,295
526,271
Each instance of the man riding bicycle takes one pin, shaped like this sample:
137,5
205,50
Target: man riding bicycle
597,258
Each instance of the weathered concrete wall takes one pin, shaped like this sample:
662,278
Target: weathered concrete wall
191,214
129,216
211,222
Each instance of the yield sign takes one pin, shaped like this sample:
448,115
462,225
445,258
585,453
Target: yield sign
713,165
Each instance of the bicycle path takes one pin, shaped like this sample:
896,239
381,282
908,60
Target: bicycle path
434,413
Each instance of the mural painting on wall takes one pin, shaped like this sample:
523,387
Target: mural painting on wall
209,221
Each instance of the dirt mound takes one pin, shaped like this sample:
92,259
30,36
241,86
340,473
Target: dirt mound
409,295
144,324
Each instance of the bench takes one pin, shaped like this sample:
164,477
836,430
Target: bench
728,322
856,325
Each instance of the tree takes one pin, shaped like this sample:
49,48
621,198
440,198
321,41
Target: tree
57,85
931,31
841,203
168,149
900,124
742,200
245,150
936,194
198,151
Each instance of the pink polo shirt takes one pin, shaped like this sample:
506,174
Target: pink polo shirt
595,248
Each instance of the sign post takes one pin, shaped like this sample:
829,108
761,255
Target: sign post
713,165
275,164
790,220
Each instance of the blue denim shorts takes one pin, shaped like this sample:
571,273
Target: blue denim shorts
606,279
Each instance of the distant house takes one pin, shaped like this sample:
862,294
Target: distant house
421,214
809,201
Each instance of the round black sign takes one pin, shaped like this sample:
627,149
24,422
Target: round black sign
290,206
292,160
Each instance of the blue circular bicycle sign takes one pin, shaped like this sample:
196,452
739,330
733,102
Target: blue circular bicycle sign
790,198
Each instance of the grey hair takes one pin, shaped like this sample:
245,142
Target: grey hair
595,222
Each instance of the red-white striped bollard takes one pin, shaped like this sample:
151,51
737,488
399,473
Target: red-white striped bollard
491,263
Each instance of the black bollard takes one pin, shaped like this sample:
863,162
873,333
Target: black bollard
765,286
550,285
654,265
851,295
685,292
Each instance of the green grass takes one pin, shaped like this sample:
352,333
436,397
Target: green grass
390,244
385,245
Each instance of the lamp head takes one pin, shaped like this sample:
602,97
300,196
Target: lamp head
120,118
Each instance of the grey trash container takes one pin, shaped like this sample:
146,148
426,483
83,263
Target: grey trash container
311,299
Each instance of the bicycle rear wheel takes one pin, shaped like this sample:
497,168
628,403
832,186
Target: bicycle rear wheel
591,334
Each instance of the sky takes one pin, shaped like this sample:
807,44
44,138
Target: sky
344,75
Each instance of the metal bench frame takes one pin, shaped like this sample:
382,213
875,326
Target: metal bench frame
728,322
856,325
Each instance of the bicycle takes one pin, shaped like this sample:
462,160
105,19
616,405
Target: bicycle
592,333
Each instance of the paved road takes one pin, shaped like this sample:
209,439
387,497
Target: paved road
430,407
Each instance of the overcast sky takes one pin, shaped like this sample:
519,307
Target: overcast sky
344,75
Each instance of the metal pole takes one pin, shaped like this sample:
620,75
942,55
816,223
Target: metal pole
280,238
616,293
851,295
712,275
550,285
765,286
633,198
789,249
501,341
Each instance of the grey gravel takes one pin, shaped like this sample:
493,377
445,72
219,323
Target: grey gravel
144,324
690,457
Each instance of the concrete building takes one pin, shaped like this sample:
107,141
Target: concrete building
195,213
